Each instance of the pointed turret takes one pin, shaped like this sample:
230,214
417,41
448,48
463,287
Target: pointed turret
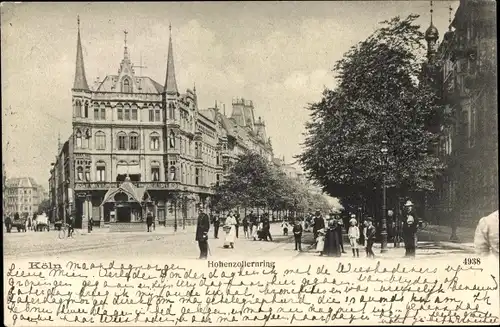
80,79
170,82
431,36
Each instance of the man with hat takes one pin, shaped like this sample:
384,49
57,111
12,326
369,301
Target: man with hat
370,237
216,222
339,230
409,213
202,227
318,223
409,236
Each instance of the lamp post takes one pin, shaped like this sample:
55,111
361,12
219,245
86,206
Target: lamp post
383,246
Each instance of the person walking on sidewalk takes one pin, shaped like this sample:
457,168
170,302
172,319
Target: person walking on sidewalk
486,235
149,221
318,224
202,228
353,234
409,235
370,237
237,225
340,235
216,222
297,234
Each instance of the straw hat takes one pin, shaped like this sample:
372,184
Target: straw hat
353,221
409,204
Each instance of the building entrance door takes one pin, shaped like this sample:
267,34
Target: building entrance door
123,214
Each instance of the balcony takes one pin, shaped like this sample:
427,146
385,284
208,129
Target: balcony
157,186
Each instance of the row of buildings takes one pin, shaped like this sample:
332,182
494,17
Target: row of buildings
22,195
463,66
140,146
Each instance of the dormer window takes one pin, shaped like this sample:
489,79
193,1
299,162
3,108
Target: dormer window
126,86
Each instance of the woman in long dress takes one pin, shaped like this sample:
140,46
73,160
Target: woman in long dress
332,242
230,229
320,241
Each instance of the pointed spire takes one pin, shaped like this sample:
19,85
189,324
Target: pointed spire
80,79
170,82
449,17
432,10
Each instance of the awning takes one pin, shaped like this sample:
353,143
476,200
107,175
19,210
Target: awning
134,170
121,170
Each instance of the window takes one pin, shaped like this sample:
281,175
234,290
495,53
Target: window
78,108
155,141
172,173
87,174
96,112
134,141
155,171
103,112
86,110
119,111
122,141
134,112
172,140
171,110
100,140
126,112
197,176
157,115
79,173
151,115
78,138
100,171
126,87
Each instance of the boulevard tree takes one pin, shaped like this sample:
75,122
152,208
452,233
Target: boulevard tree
379,98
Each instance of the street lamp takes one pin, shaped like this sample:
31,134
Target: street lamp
383,246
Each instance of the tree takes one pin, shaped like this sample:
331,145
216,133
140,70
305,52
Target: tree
378,98
44,206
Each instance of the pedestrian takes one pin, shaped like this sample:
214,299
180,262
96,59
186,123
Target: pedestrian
353,234
71,225
8,223
202,228
90,225
370,237
237,225
486,235
245,227
230,229
257,229
365,226
149,221
251,217
410,213
339,229
216,223
318,224
297,234
320,241
285,227
409,235
332,242
266,228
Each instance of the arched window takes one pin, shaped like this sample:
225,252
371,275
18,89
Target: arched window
171,111
126,112
155,171
134,112
119,112
85,140
172,140
78,109
103,112
126,86
122,141
100,140
100,171
151,113
172,173
79,173
78,136
86,112
134,141
154,141
96,111
183,174
87,173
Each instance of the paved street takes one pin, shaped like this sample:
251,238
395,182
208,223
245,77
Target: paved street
164,243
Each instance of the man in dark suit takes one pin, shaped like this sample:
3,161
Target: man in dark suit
202,228
318,223
216,222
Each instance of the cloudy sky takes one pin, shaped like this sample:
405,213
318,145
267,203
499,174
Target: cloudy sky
279,55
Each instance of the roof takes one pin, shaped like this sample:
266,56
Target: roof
135,194
170,81
80,78
25,182
145,85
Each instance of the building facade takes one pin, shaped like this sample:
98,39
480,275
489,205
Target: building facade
22,195
465,70
131,128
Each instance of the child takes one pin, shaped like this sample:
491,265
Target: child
353,234
285,226
297,234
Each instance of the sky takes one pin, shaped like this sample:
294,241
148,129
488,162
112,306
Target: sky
278,54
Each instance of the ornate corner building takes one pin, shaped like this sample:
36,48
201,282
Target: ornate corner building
464,65
130,128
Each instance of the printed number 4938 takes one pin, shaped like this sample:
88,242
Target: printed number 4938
472,261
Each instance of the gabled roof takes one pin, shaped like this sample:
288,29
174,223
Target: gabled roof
144,84
135,194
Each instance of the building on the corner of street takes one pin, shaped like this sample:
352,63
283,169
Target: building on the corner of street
139,146
464,67
22,195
